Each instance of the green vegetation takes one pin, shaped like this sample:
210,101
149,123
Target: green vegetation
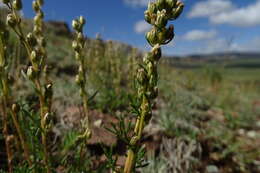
203,115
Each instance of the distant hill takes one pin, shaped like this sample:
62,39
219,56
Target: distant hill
230,60
220,56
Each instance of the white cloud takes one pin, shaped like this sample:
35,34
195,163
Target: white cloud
196,35
249,46
141,27
224,45
224,12
137,3
244,17
209,8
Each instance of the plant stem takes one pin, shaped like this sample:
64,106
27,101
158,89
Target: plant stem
22,138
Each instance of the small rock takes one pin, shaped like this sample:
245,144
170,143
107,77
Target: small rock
251,134
241,132
212,169
98,123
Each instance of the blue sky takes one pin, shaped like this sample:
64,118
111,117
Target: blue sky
206,26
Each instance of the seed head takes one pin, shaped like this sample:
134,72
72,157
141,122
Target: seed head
36,6
177,11
11,20
161,20
31,73
76,46
15,108
141,76
31,40
17,4
151,37
82,20
76,25
34,56
152,8
156,52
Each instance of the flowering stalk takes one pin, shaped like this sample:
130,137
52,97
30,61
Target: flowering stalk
15,110
35,45
5,93
78,45
158,14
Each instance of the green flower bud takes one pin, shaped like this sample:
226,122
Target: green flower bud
162,36
48,91
147,57
152,8
31,73
40,14
156,52
151,37
77,56
31,40
82,21
34,56
161,20
81,38
177,11
150,68
76,46
37,20
42,42
79,80
37,30
11,20
36,6
17,4
147,16
141,76
76,25
88,134
15,108
140,92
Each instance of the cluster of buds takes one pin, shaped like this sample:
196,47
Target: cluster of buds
38,19
158,14
12,19
38,32
78,45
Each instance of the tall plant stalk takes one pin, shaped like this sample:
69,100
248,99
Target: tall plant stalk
158,14
5,94
78,45
35,45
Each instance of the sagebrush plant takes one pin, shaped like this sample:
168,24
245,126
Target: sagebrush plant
158,14
35,45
